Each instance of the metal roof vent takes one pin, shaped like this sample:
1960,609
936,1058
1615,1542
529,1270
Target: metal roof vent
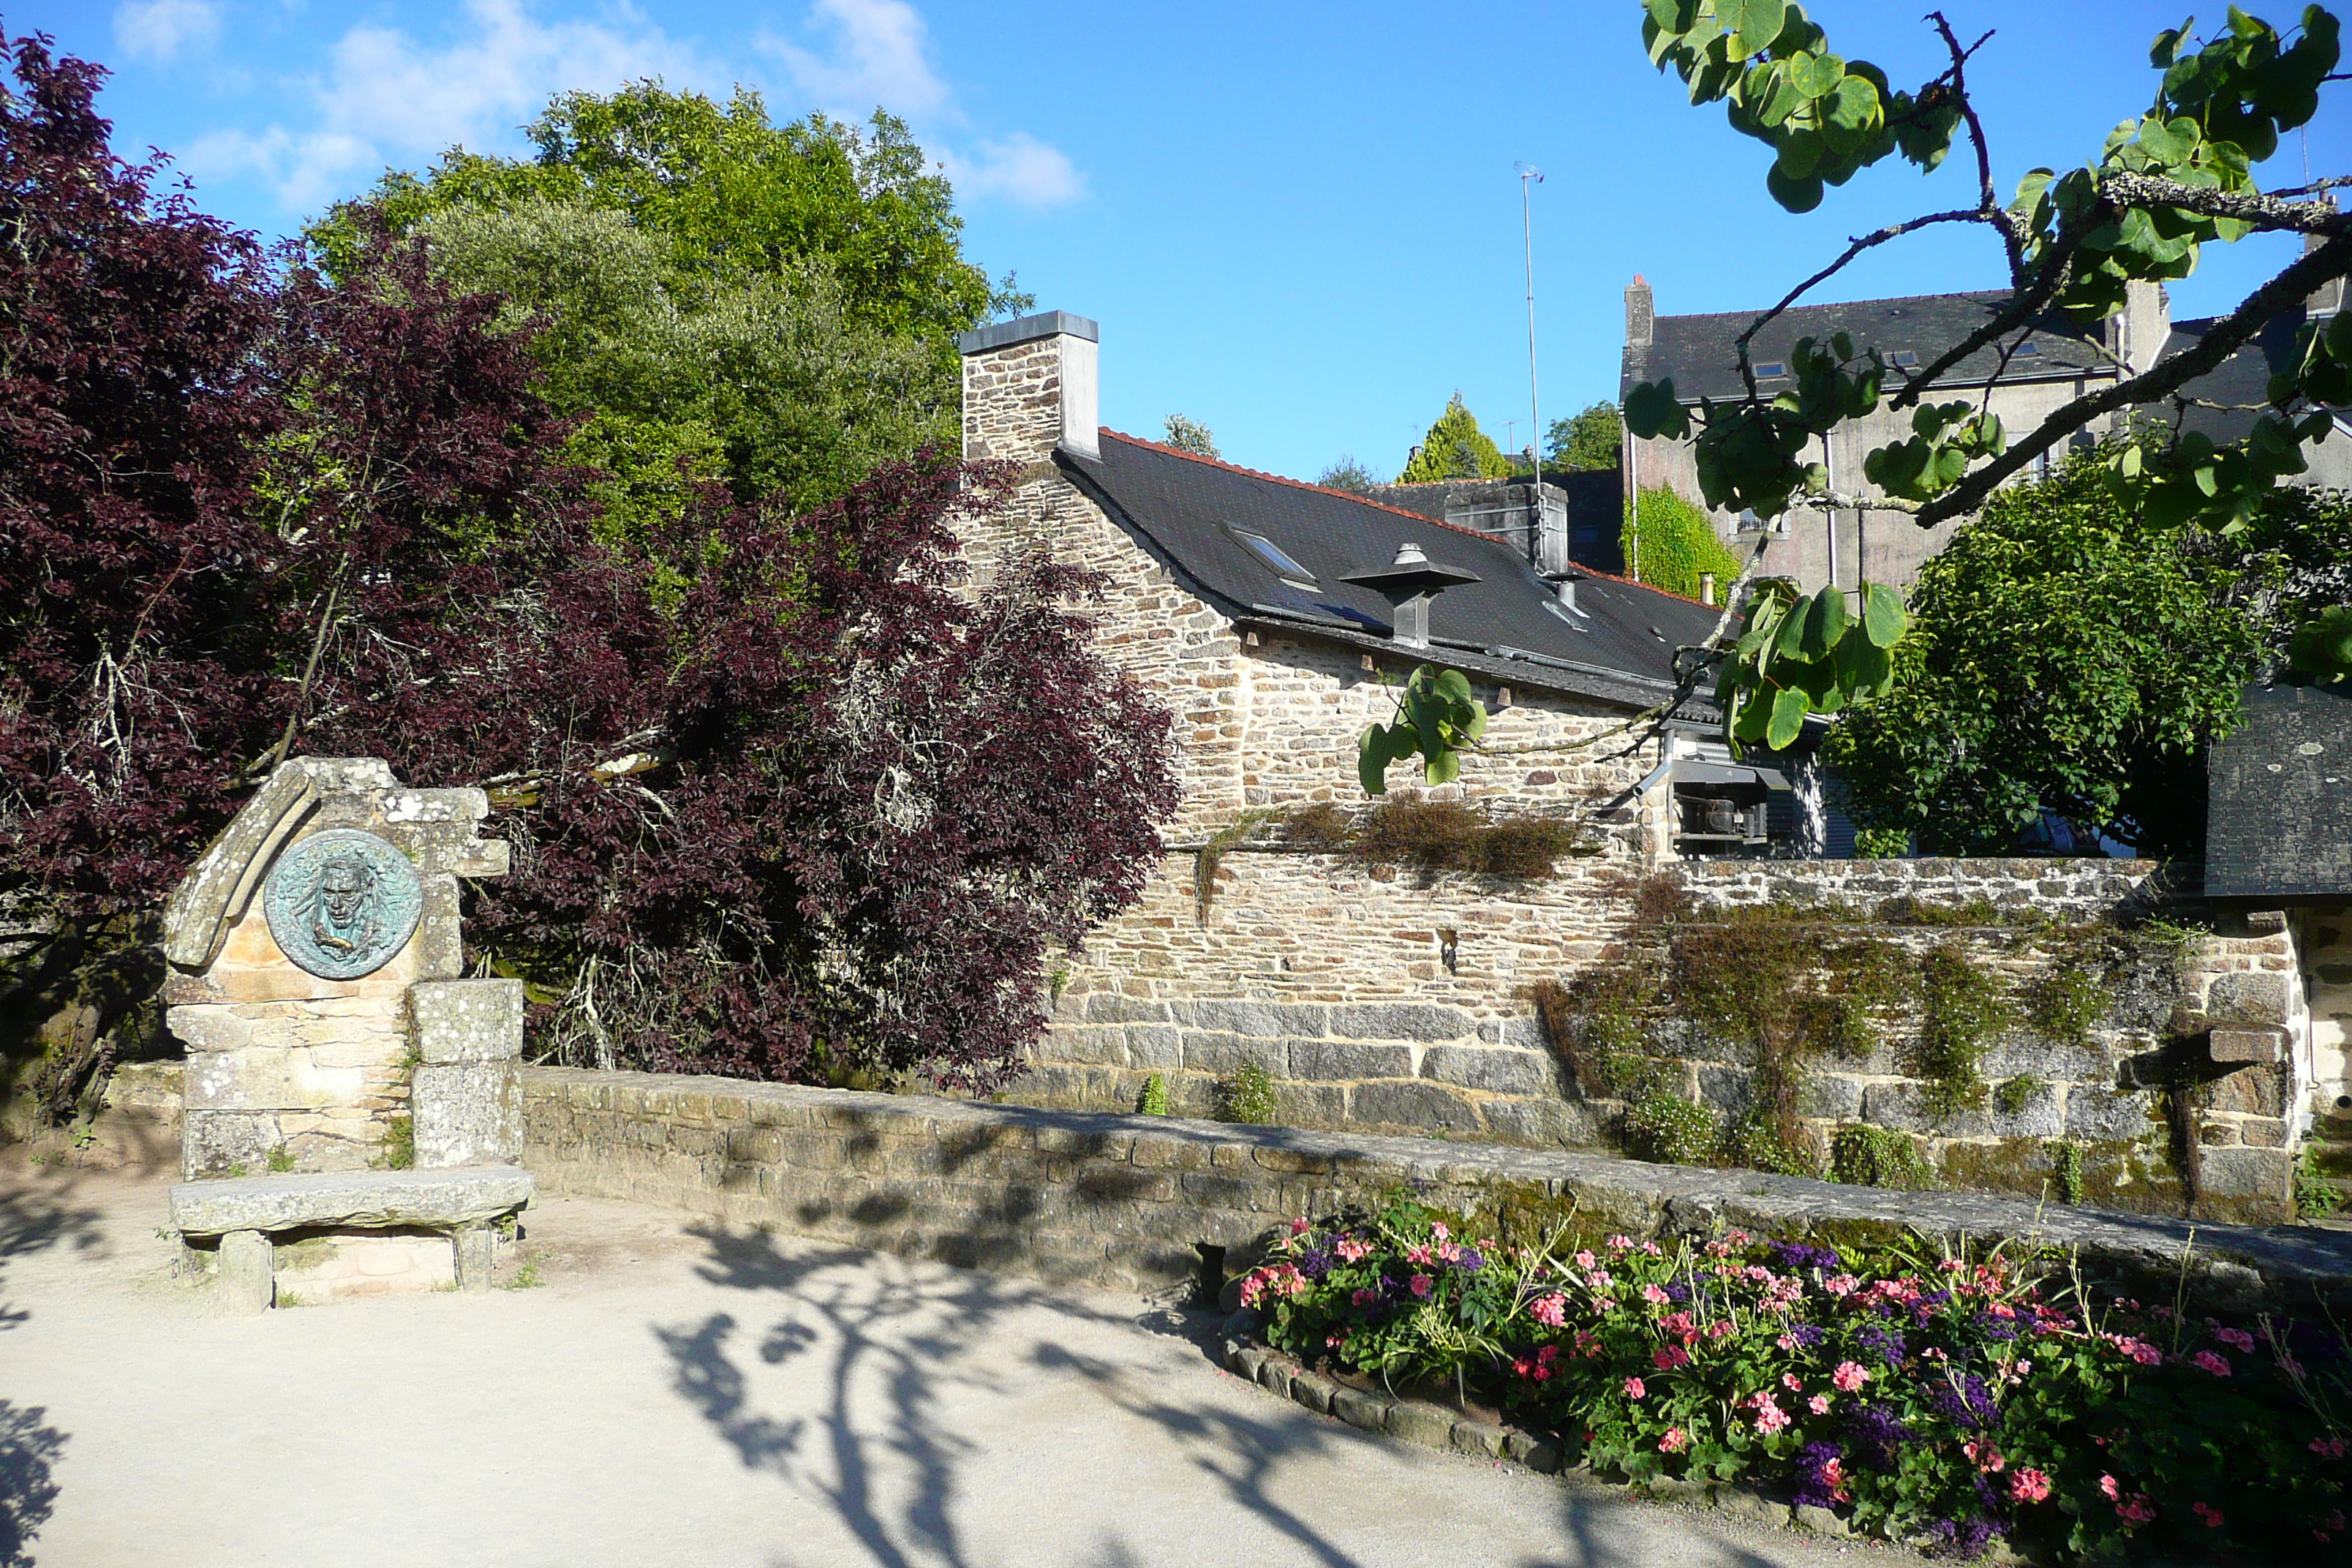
1408,583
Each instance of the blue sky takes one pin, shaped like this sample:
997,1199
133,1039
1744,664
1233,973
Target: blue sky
1297,224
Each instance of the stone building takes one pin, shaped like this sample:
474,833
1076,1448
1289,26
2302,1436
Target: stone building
2045,367
1254,606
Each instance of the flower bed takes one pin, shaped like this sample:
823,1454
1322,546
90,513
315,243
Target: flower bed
1954,1400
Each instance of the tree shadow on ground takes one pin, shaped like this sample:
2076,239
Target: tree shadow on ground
32,1219
29,1453
889,1351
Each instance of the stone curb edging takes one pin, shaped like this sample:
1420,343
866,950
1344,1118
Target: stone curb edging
1430,1427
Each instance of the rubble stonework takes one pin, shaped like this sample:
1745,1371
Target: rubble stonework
316,1067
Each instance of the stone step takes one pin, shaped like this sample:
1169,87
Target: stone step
369,1200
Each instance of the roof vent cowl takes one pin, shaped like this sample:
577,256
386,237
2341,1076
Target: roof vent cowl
1408,583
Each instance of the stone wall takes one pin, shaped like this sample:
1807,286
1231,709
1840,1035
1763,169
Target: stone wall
1127,1202
2076,890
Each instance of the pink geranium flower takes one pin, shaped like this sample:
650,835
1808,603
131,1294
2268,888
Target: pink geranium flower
1635,1389
2135,1508
1769,1416
1665,1358
2329,1447
1791,1382
1585,1259
2029,1486
1819,1404
2238,1337
1550,1311
1848,1377
1655,1297
1421,1284
2218,1365
1674,1441
2209,1513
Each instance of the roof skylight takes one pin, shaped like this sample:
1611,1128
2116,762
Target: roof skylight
1274,555
1904,358
1771,367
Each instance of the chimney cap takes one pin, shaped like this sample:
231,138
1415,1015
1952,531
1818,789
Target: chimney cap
1410,574
1027,329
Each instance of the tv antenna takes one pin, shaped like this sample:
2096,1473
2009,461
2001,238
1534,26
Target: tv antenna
1530,175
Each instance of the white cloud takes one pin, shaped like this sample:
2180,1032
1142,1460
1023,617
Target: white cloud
159,29
1019,169
878,56
385,99
881,57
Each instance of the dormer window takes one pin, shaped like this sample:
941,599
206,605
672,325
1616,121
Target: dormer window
1279,559
1769,369
2026,350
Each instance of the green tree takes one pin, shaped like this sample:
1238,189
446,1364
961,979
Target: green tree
1191,435
2165,183
763,379
773,305
1585,443
1669,543
1455,448
1347,474
2071,654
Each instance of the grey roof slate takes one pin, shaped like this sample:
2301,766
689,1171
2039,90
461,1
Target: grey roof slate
1700,352
2278,811
2241,382
1503,627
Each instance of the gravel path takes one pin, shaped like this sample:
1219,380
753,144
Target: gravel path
667,1393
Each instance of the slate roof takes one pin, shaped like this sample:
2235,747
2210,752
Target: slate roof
2241,382
2278,813
1699,351
1503,627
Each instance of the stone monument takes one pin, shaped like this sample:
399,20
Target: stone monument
353,1117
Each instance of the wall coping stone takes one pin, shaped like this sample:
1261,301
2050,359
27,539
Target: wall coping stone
2228,1265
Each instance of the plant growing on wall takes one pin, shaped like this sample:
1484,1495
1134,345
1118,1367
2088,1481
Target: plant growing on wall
1670,545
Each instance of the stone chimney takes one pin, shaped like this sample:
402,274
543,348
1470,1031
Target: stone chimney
1639,315
2328,297
1029,386
2141,327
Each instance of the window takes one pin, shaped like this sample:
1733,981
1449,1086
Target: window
1771,368
1274,555
2026,350
1904,358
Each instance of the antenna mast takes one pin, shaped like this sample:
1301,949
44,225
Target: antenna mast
1529,173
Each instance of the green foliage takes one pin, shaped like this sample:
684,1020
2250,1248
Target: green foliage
1434,835
1245,1095
1436,720
1673,1132
2322,647
1964,1006
1191,435
2315,1197
1864,1156
765,379
1455,448
1154,1100
1670,545
1592,441
2150,633
1597,1023
2015,1094
2064,1001
400,1143
720,296
1347,474
1881,843
2219,111
281,1160
2066,1168
1800,656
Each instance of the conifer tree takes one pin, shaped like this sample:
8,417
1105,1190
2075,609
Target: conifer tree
1455,448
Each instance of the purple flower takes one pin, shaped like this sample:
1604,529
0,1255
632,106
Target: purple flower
1796,1256
1807,1335
1315,1262
1813,1485
1970,1404
1678,1293
1999,1329
1886,1345
1471,1261
1877,1432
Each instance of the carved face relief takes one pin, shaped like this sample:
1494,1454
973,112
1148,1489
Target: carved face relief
341,903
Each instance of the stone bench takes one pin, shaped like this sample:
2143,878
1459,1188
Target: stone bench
246,1211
